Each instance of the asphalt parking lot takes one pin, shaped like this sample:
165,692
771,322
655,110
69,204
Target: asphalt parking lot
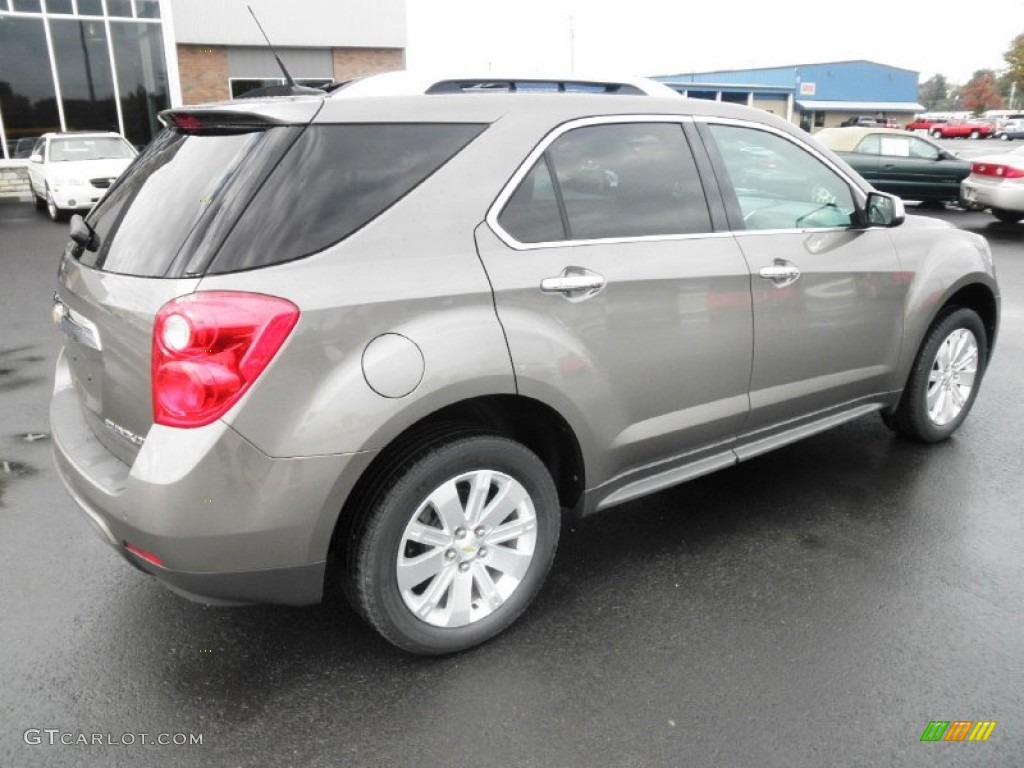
817,606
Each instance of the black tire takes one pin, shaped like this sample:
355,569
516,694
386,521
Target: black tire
975,134
1008,217
936,134
911,418
375,547
40,202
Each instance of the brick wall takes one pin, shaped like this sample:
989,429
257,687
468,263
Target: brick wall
204,73
355,62
14,183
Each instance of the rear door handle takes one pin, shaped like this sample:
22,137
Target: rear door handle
574,283
782,273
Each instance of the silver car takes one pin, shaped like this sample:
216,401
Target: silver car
404,336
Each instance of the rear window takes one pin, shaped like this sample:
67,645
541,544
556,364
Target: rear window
212,203
335,180
178,181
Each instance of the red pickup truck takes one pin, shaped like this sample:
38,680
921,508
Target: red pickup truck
953,129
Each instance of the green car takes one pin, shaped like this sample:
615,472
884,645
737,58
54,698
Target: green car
899,162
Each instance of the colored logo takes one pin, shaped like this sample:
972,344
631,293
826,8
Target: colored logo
958,730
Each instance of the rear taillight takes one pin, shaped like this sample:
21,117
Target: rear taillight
997,170
208,349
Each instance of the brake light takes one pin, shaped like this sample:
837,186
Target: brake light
997,170
208,349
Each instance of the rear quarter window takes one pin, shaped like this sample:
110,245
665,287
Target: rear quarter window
333,181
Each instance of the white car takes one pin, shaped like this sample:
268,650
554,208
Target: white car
997,182
72,171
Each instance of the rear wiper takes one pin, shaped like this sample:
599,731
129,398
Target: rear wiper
83,235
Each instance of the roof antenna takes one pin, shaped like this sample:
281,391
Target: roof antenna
291,87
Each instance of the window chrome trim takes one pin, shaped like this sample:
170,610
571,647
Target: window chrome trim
859,194
549,138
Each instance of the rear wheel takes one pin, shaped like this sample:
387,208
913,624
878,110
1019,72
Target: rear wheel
456,546
1010,217
936,134
975,134
944,381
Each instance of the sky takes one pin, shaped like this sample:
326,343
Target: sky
646,37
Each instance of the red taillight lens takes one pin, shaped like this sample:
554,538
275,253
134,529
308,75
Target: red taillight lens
147,556
208,349
998,171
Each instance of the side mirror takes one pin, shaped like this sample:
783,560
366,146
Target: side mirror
36,158
84,235
884,210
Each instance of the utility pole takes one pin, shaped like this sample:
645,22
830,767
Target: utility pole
572,44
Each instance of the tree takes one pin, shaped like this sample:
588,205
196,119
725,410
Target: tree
933,92
982,92
1014,57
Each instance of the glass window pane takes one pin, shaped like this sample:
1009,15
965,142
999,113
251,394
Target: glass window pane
120,8
531,214
90,8
83,70
58,6
629,180
27,6
3,5
778,184
28,100
141,77
147,9
348,174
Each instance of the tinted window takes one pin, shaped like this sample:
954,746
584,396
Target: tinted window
629,180
83,70
778,184
614,181
150,212
531,214
28,100
335,180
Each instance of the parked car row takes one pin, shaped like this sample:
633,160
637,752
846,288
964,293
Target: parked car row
940,128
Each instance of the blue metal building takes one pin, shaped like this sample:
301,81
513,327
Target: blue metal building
812,95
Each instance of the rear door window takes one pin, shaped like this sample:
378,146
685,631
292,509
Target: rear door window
611,181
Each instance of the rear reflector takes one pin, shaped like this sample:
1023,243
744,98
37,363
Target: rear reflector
149,557
208,349
997,170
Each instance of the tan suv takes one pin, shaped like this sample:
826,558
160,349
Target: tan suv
404,336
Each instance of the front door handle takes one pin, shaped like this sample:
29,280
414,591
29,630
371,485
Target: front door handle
574,283
781,273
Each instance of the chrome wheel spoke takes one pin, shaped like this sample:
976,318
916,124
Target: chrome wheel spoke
425,605
952,377
486,587
414,571
480,489
427,535
460,601
512,530
445,499
507,501
510,562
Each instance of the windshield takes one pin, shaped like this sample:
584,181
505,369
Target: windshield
101,148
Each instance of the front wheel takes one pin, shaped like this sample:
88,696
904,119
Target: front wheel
53,211
944,381
1009,217
936,134
456,546
975,134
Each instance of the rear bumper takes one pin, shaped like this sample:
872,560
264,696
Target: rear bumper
225,522
995,195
